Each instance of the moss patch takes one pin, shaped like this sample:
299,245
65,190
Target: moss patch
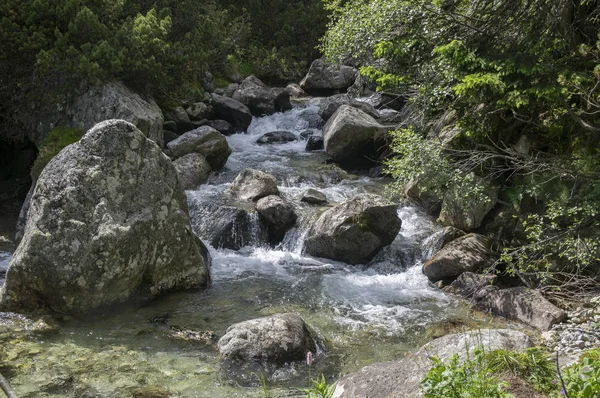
58,138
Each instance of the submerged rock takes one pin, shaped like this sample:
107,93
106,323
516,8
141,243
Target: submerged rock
470,253
402,378
251,185
230,227
275,339
314,144
277,137
278,214
108,219
354,231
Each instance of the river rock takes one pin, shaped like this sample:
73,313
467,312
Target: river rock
204,140
233,111
192,169
467,213
522,304
330,105
231,89
251,185
112,100
427,199
169,136
295,91
471,253
199,111
260,99
468,284
228,227
312,118
277,137
181,119
314,143
278,214
350,134
324,77
401,378
275,339
313,197
222,126
108,219
354,231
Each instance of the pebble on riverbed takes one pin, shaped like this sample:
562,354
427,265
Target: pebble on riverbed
580,332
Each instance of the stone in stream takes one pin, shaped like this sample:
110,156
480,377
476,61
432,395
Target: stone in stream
204,140
427,199
470,253
323,77
251,185
275,339
354,231
351,135
261,99
279,216
330,105
193,169
231,110
277,137
108,219
314,143
401,378
313,197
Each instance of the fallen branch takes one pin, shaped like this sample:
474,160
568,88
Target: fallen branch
5,387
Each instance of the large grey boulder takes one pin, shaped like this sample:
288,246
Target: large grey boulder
278,214
108,219
275,339
522,304
261,99
427,199
251,185
326,77
467,212
204,140
350,133
329,105
354,231
402,378
232,111
193,169
469,253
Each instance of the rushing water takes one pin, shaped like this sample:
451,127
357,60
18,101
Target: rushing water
365,314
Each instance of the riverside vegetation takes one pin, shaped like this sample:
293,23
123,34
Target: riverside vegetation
486,114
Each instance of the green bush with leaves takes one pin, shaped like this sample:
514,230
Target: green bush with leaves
582,380
509,72
470,379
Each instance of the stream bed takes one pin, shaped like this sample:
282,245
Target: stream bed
365,314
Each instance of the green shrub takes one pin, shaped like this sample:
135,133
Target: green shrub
58,138
582,379
470,379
